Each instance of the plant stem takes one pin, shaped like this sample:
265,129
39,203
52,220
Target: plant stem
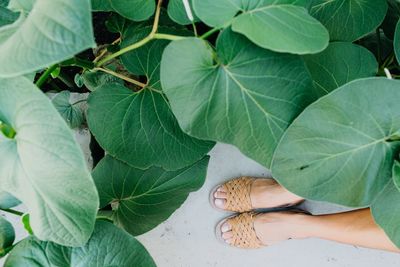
45,76
168,37
78,62
7,130
15,212
130,80
209,33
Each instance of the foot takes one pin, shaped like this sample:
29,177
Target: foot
273,227
264,193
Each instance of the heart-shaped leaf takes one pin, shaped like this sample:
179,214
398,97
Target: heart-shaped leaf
101,5
242,94
349,20
177,12
282,25
7,16
44,166
8,201
340,149
396,174
136,10
56,30
139,127
339,64
397,42
385,211
7,235
142,199
70,112
108,246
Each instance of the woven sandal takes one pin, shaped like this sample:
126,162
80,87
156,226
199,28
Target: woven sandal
238,195
244,235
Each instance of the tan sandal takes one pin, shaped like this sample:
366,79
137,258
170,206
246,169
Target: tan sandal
238,195
244,234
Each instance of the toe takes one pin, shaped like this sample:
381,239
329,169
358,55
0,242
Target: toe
226,227
228,241
219,194
221,189
220,203
227,235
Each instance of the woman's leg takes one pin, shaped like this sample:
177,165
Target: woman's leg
355,228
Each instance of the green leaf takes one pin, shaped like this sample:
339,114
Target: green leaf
7,16
142,199
101,5
21,5
26,222
4,3
397,42
108,246
95,80
177,12
118,24
385,212
7,235
396,174
45,167
71,113
349,20
391,19
339,64
140,129
287,21
136,10
53,36
340,149
242,94
8,201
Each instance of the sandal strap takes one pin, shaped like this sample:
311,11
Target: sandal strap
238,194
244,234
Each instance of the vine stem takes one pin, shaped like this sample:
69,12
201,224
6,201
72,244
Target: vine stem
121,76
45,76
15,212
209,33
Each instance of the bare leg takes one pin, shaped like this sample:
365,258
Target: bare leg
355,228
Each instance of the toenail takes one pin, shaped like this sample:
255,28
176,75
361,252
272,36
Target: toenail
216,194
219,203
225,228
219,189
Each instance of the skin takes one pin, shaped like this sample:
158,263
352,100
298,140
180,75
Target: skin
354,228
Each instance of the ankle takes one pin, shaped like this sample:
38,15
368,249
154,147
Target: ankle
302,226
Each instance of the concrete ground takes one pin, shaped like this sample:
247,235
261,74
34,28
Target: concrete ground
187,239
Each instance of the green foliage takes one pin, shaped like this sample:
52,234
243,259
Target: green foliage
62,198
339,64
349,20
71,112
286,20
142,199
108,246
7,235
163,89
240,94
60,34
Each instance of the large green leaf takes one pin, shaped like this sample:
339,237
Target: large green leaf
7,16
385,211
54,31
142,199
44,167
139,127
339,64
177,12
108,246
279,25
397,42
340,149
8,201
101,5
7,235
136,10
242,94
71,112
396,174
349,20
